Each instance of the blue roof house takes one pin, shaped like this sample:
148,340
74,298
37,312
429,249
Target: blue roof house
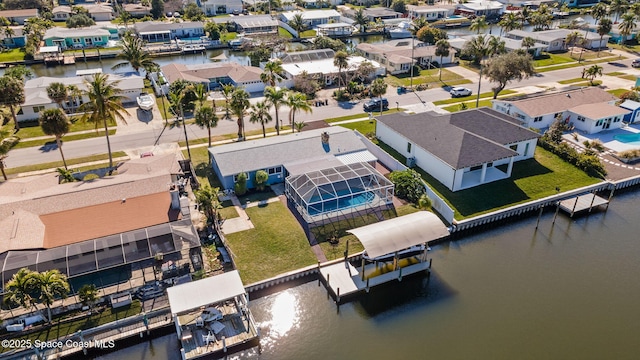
293,154
634,107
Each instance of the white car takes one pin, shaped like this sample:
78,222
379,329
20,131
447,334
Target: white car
459,91
635,63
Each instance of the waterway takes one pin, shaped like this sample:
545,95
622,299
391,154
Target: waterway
568,291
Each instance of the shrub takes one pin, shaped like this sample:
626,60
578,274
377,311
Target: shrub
587,162
90,177
261,179
629,154
408,185
240,186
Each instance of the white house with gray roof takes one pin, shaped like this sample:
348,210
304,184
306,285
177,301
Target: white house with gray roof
157,31
509,44
555,39
37,100
461,150
282,155
590,110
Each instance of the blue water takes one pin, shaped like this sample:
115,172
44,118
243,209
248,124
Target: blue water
631,139
340,203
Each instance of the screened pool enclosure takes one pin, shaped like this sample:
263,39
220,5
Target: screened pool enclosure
339,190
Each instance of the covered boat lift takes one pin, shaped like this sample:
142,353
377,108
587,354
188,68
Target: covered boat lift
201,336
383,238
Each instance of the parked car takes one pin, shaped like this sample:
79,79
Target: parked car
374,104
149,291
635,63
459,91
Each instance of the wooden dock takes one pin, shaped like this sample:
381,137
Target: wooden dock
582,203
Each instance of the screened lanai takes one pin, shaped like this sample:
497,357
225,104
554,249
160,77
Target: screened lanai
109,252
338,190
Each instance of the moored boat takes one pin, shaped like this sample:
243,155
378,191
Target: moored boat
145,101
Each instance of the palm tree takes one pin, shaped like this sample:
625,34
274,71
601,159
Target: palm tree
206,117
592,72
627,25
478,47
361,20
496,46
298,24
275,97
207,199
417,24
12,94
341,61
635,9
260,115
57,92
442,50
528,42
48,286
135,54
19,289
604,27
524,15
378,88
572,39
239,105
227,90
478,24
509,22
599,11
124,16
297,102
75,96
300,125
201,93
618,7
6,144
273,72
88,295
104,105
54,122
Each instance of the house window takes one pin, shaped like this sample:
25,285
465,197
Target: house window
616,119
599,122
526,149
37,109
520,116
274,170
514,147
76,40
557,115
537,119
97,39
581,118
409,147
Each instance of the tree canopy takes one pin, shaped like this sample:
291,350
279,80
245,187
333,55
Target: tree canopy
80,20
505,68
408,185
431,35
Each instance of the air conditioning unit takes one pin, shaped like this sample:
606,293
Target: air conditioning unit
411,162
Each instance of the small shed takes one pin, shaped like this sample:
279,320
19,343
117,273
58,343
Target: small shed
632,106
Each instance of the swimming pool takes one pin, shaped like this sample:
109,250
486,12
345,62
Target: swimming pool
329,203
629,139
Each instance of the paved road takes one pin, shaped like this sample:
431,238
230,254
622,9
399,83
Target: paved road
143,135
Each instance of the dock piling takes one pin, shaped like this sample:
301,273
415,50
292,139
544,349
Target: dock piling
556,214
362,271
539,216
592,200
611,195
319,273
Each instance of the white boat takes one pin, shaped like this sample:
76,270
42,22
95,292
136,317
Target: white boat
401,31
412,251
146,102
191,48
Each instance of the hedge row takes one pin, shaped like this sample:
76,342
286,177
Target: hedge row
587,162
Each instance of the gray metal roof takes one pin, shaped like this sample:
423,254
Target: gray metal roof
461,140
211,290
154,26
275,151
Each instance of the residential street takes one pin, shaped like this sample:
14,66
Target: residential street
139,135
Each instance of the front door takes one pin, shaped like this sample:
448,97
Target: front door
88,41
607,124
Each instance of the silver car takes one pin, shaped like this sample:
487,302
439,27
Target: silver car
459,91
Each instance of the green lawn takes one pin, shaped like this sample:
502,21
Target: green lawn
228,36
36,131
66,138
228,211
61,330
552,59
59,164
427,77
473,97
308,34
530,180
617,92
276,245
12,55
470,105
284,33
364,127
570,81
361,116
204,172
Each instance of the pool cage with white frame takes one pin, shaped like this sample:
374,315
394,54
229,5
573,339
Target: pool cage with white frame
320,195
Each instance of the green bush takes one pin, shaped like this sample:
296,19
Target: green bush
261,179
408,185
240,186
587,162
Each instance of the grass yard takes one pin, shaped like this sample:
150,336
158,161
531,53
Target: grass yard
364,127
66,138
551,59
361,116
59,164
427,77
204,172
628,77
617,92
12,55
571,81
284,33
276,245
470,105
228,211
531,179
27,132
473,97
308,34
228,36
61,330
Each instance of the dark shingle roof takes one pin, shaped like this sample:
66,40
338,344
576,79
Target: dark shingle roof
462,139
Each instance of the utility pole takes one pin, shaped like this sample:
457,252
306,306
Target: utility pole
412,47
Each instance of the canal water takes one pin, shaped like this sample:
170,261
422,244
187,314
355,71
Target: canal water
568,291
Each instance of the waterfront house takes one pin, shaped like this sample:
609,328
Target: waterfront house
282,155
61,13
157,31
398,55
462,149
36,99
319,64
312,18
555,39
491,9
17,39
589,109
429,13
614,35
318,4
220,7
137,10
97,12
214,75
77,38
108,232
509,44
254,24
380,13
18,17
634,108
335,29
